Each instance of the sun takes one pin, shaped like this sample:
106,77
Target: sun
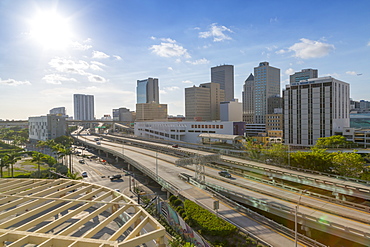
50,30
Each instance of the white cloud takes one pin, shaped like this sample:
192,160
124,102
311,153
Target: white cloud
174,88
187,81
351,73
311,49
56,79
368,44
69,66
78,46
117,57
98,63
12,82
170,68
281,51
153,38
169,50
270,48
99,54
95,67
96,78
217,32
199,61
274,20
289,71
169,40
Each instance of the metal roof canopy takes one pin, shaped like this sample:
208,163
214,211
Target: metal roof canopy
221,137
62,212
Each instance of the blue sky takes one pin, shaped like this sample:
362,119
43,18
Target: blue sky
50,50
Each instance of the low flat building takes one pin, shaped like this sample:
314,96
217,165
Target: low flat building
186,131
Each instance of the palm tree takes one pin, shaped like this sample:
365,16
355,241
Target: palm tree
3,163
38,158
13,158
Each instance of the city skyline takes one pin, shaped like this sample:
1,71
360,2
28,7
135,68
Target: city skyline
51,50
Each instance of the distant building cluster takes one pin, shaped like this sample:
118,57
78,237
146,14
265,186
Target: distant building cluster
310,107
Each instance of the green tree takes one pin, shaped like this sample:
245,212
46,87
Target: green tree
74,175
335,141
348,164
12,158
277,152
317,159
3,164
38,158
253,150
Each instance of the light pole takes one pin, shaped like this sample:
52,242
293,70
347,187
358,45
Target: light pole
156,164
295,219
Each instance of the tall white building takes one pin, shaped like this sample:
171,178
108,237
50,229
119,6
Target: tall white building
147,91
224,75
83,107
314,108
45,128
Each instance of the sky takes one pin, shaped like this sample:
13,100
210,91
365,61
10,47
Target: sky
50,50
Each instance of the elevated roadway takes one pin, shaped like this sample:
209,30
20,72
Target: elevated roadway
314,213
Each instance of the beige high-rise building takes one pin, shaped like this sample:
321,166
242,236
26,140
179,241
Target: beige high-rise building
151,111
203,103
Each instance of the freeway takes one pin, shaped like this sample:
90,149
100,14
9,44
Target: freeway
338,219
337,185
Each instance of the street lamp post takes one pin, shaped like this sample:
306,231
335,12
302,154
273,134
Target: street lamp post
296,221
156,164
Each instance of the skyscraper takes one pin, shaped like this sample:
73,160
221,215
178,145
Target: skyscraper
83,107
147,91
257,89
224,75
248,100
314,108
203,102
304,74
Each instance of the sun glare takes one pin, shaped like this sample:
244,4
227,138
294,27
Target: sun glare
50,30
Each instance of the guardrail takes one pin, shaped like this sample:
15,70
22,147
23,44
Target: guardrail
262,219
272,170
287,210
194,182
309,193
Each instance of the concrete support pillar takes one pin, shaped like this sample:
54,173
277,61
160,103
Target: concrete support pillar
116,159
107,155
99,152
129,167
307,231
168,195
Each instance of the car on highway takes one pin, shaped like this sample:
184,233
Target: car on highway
98,143
224,174
114,177
175,146
84,174
81,161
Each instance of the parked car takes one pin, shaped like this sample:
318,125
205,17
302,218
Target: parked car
224,174
117,176
84,174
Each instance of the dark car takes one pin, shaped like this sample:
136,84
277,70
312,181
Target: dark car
175,146
82,161
117,176
224,174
